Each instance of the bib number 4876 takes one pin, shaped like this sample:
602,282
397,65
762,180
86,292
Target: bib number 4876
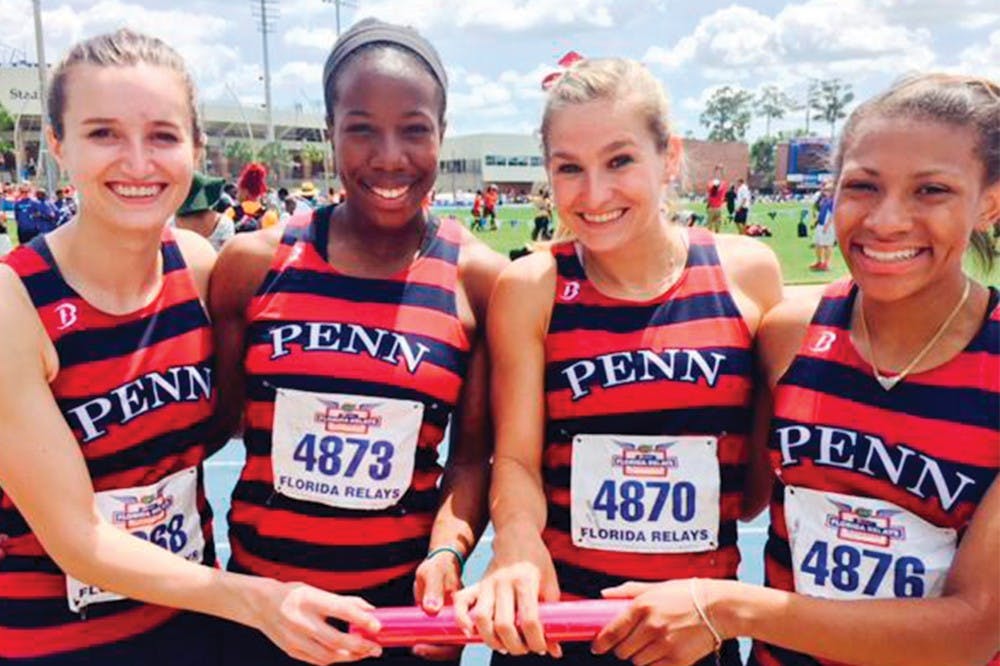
842,567
334,456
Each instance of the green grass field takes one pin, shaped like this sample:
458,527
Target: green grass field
794,253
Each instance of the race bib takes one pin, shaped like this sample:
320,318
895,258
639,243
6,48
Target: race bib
847,547
344,451
164,513
645,494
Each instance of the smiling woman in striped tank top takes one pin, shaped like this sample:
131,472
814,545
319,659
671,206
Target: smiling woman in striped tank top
350,340
884,546
623,375
107,395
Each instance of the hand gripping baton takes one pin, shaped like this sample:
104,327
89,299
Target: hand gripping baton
564,621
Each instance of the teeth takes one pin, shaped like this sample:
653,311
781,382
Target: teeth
136,190
393,193
897,255
603,217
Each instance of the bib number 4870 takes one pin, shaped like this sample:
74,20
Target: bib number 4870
842,567
629,500
333,455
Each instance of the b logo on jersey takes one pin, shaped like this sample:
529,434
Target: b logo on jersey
824,342
861,525
570,290
142,511
347,417
68,316
644,460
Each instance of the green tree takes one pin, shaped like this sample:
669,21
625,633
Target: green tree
727,114
6,125
762,160
275,156
311,155
830,102
239,154
772,103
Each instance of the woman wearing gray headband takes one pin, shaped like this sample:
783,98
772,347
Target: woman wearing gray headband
352,339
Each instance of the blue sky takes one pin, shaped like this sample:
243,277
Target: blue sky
497,51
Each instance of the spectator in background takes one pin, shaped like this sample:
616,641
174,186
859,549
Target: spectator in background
24,206
250,214
198,212
65,205
491,199
731,202
230,196
543,219
7,199
716,192
306,199
44,216
825,235
742,204
477,211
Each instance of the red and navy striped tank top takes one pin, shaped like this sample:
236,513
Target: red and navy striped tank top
314,329
929,447
678,365
137,391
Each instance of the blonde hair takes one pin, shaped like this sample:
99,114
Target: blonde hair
961,101
122,48
606,79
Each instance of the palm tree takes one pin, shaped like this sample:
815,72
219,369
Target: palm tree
311,154
830,102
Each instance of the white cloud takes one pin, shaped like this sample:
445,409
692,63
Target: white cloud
982,59
314,38
493,15
299,73
967,14
816,38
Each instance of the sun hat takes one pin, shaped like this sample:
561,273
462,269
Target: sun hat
203,195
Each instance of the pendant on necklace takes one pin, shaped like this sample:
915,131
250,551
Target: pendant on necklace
888,383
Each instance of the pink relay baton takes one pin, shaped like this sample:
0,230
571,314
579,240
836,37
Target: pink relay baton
563,621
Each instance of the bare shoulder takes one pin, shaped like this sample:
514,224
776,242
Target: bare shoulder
752,267
525,288
784,329
199,255
241,268
21,330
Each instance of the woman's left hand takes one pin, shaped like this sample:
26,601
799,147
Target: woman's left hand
661,626
437,579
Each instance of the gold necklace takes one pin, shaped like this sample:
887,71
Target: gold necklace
888,383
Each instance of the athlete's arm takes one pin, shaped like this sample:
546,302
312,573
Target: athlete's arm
238,273
43,472
521,571
462,514
754,276
960,627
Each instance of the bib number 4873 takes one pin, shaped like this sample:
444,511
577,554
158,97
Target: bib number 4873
629,500
335,456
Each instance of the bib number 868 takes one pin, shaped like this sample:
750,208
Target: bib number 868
627,500
170,535
327,455
845,576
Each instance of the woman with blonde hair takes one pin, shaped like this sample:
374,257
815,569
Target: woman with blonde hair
623,381
884,547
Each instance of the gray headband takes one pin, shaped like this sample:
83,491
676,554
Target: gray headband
373,31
